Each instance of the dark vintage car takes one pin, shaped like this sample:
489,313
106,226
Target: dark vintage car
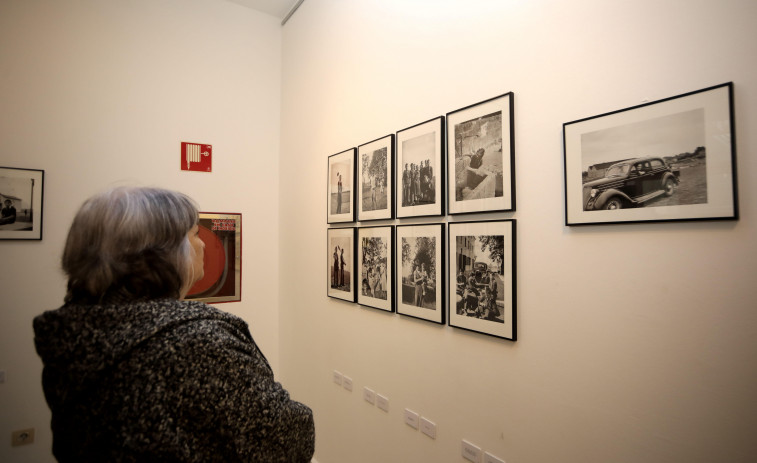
630,183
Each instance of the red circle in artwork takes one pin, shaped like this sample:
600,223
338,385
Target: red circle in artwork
214,263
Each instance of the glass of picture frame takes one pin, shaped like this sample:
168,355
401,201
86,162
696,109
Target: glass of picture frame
340,191
480,157
667,160
419,169
340,263
375,175
420,271
222,264
482,293
375,248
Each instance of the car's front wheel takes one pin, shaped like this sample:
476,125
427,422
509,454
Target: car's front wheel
669,186
614,203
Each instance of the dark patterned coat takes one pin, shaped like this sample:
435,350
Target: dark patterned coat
164,381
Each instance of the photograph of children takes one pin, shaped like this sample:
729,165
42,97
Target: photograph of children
420,278
375,171
420,170
375,247
341,168
480,157
20,203
482,277
340,263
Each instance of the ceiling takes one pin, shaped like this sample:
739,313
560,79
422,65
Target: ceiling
277,8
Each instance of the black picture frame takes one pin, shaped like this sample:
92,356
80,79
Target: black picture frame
340,191
419,152
421,290
482,277
340,263
21,200
481,157
375,175
375,267
668,160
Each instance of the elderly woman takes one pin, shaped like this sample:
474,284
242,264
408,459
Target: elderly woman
132,372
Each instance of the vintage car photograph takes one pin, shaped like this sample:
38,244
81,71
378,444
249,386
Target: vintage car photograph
631,183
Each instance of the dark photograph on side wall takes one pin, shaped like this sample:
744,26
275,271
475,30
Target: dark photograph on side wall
375,169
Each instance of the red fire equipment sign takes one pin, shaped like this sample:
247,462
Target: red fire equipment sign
196,156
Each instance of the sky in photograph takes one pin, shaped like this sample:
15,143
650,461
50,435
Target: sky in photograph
17,187
343,168
419,149
661,136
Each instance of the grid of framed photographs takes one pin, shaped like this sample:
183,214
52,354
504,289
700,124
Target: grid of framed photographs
405,175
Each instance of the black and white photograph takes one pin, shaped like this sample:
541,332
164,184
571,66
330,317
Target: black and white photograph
375,172
480,156
21,193
340,263
375,246
340,192
420,276
668,160
420,169
482,267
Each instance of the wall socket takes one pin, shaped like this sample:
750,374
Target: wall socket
22,437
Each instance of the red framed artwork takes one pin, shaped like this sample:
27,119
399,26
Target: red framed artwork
221,282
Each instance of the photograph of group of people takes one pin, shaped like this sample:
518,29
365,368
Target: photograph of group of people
418,181
479,285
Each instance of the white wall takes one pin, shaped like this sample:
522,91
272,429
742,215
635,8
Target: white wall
102,92
636,342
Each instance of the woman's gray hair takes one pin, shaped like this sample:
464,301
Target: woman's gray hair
130,243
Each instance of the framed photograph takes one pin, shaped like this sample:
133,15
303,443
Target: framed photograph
420,275
482,267
672,159
375,248
375,174
222,280
21,192
340,263
481,157
340,196
420,169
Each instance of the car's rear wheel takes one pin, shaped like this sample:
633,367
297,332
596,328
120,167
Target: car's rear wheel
614,203
669,186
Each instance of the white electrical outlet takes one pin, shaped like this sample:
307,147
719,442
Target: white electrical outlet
428,428
489,458
382,402
471,452
411,418
369,395
338,377
347,382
